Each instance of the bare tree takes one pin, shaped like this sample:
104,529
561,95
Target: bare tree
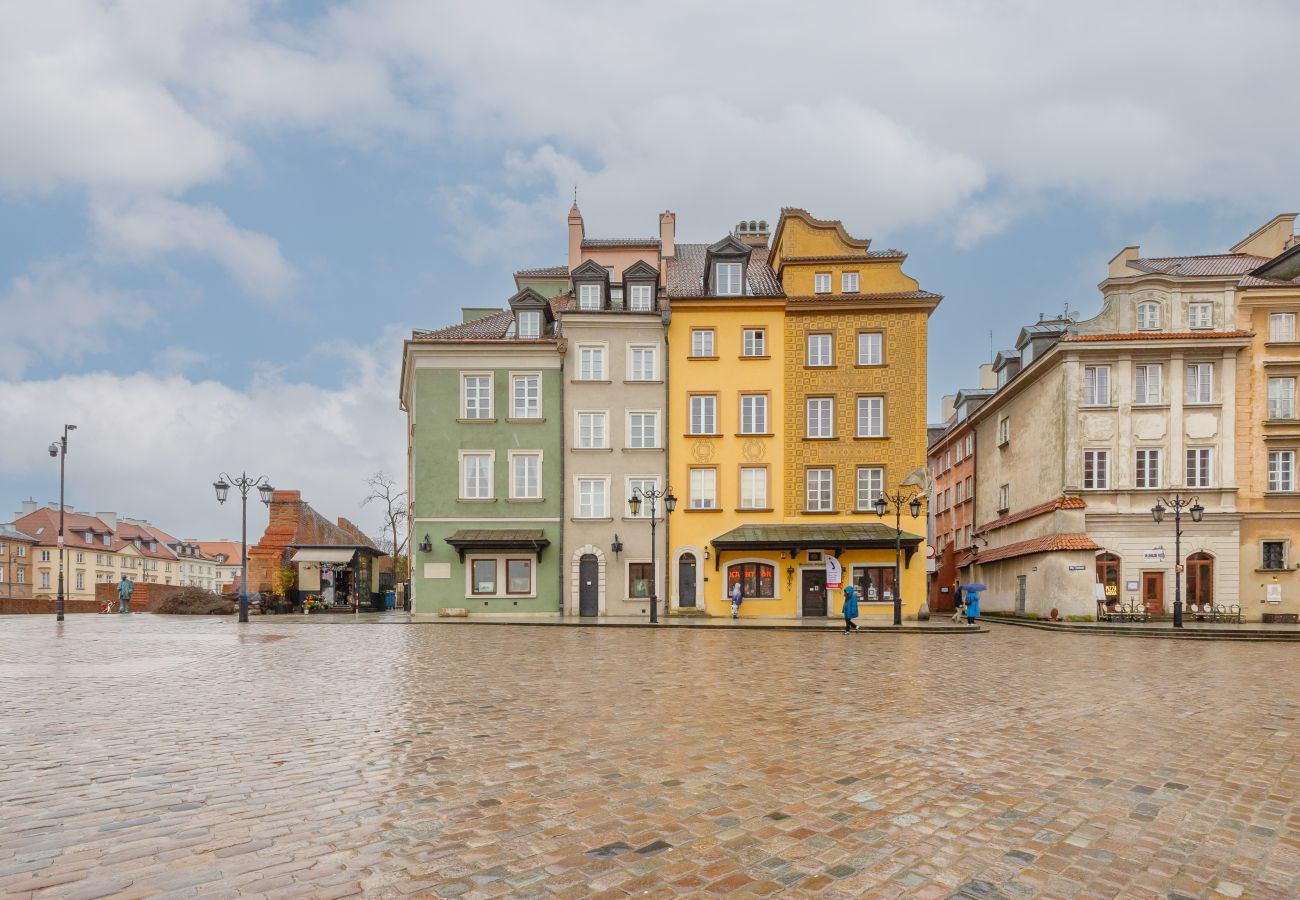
392,502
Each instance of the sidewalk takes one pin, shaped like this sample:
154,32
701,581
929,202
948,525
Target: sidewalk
1191,630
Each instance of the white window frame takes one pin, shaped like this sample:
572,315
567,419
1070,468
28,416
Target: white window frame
1145,385
707,403
874,477
491,456
703,339
750,498
464,397
1100,469
1200,384
595,513
1149,315
1281,471
1198,471
871,352
515,379
1195,320
1093,394
696,500
627,579
657,438
1281,328
1004,497
1004,431
601,415
728,279
640,350
753,342
531,317
514,456
590,297
641,298
849,282
635,482
819,417
601,353
814,355
753,420
824,501
1148,467
822,283
870,416
1281,397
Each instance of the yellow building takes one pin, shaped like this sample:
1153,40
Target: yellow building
796,396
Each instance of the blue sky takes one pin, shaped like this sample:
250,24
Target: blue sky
218,221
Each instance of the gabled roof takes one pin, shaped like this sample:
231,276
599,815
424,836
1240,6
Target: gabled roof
730,246
685,276
530,299
1280,271
1004,357
9,533
1062,502
488,328
589,269
1050,328
1216,265
640,269
1046,544
795,212
213,549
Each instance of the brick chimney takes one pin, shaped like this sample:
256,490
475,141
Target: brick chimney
752,232
576,233
667,233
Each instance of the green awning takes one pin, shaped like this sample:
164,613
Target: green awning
833,538
530,539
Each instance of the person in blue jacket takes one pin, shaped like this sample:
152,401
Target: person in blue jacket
972,606
850,607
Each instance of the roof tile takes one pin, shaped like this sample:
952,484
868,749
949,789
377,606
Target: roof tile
1046,544
686,273
1155,336
1062,502
1199,266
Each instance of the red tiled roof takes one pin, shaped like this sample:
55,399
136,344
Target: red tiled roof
489,328
620,242
1155,336
43,525
1046,544
1199,266
1063,502
543,272
686,273
213,549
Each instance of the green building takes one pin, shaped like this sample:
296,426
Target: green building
484,414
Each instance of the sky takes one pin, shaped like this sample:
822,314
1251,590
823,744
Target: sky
218,221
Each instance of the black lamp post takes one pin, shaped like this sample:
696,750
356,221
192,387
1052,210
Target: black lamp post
60,449
634,504
914,507
222,486
1178,503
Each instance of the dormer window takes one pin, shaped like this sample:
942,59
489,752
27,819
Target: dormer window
728,279
641,298
1148,316
589,296
616,298
530,323
107,539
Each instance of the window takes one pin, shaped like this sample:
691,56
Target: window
849,282
1148,316
81,557
876,583
822,283
1200,315
640,575
1281,398
1096,385
1200,383
1096,469
21,550
1281,327
483,576
642,364
1004,498
757,580
478,396
643,430
727,278
22,575
641,298
593,498
526,397
530,323
591,363
1147,384
45,556
526,476
704,488
871,417
1146,469
475,476
960,488
1272,555
1004,430
871,348
704,414
970,444
821,417
819,350
592,431
615,297
519,576
753,488
45,580
753,414
1281,470
821,490
1198,467
638,487
81,581
871,484
970,487
702,342
754,342
589,296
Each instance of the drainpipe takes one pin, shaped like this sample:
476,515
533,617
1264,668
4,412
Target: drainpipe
564,485
666,316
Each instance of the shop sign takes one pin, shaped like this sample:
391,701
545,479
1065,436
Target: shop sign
1078,568
834,573
1155,554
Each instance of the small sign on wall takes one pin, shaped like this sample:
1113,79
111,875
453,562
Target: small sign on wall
1130,585
1155,554
1274,593
437,570
1078,568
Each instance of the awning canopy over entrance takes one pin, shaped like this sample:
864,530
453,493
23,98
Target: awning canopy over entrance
325,554
833,538
498,539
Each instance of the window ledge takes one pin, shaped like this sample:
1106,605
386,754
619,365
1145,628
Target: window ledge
750,434
530,421
592,449
476,499
1291,421
1211,405
642,381
1281,494
491,421
643,449
701,357
1286,344
754,509
878,365
822,366
1097,406
878,437
743,357
590,381
712,434
527,499
1150,405
819,512
591,519
1273,571
711,509
833,437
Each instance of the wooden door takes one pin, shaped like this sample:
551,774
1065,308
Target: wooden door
1200,578
686,580
814,592
588,586
1153,592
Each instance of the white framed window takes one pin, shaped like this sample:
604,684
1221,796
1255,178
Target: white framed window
593,498
1200,382
821,417
1096,469
970,444
1281,327
526,396
871,348
593,430
45,579
638,485
704,414
1281,398
820,490
589,296
615,298
1004,430
591,362
753,414
1004,497
642,363
1148,316
476,396
704,488
819,350
1281,470
1146,468
1096,385
641,297
643,430
871,417
753,487
822,283
871,484
702,342
1148,384
476,474
81,581
960,488
530,323
729,279
1272,555
22,575
849,282
1199,466
1200,315
525,475
754,342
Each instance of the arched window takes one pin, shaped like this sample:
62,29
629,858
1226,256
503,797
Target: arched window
1108,574
757,580
1148,316
1200,578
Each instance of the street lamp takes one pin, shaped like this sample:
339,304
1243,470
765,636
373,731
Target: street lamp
882,504
1178,503
60,449
634,504
245,484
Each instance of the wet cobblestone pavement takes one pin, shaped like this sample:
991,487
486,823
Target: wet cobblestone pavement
150,756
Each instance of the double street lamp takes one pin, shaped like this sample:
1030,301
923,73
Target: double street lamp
652,496
1178,503
60,449
245,484
882,504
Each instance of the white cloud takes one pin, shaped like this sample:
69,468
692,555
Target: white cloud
176,360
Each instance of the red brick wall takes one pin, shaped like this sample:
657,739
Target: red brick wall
147,595
23,606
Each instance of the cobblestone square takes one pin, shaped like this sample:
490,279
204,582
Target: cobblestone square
148,756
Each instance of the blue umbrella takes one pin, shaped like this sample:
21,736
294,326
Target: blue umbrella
975,588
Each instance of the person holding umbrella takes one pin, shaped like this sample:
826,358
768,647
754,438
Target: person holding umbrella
973,601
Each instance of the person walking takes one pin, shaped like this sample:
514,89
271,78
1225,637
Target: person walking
850,607
737,597
972,606
125,588
958,604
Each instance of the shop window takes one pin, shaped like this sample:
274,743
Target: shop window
483,576
875,583
640,575
757,580
1108,569
519,576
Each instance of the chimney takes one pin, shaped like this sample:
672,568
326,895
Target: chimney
947,407
1119,264
108,518
667,233
753,232
576,233
29,506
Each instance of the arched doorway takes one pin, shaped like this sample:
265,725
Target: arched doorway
588,585
686,580
1108,571
1200,578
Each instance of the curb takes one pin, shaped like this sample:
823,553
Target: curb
1168,634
